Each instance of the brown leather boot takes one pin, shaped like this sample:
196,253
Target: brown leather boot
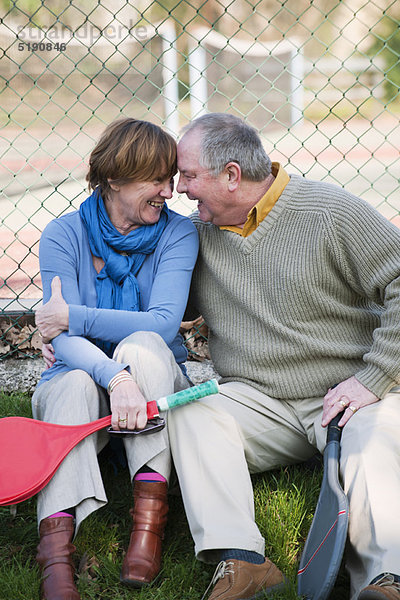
54,555
142,561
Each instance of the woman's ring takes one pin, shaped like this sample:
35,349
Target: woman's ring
353,409
343,403
121,420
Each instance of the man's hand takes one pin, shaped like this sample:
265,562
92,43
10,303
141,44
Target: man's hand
128,406
53,317
350,395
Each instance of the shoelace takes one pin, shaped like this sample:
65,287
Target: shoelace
388,580
222,569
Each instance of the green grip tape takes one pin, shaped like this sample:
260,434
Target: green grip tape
185,396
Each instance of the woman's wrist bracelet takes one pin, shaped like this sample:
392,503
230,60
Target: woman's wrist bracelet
118,378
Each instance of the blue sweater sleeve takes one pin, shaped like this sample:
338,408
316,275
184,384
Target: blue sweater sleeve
80,353
59,253
171,270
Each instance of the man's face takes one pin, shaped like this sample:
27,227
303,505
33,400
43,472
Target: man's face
198,184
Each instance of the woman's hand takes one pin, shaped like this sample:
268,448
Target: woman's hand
48,355
128,406
350,395
53,317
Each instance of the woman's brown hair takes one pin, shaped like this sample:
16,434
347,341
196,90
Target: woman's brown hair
131,150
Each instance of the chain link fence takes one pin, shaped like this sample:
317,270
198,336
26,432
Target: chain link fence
318,79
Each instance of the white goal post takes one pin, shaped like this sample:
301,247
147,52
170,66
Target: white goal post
276,66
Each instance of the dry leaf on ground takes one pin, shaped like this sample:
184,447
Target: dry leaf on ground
19,340
195,334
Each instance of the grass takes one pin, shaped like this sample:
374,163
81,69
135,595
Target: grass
284,504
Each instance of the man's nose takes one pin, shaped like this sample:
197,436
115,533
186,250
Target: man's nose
180,188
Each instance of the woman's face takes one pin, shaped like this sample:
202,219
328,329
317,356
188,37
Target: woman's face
137,203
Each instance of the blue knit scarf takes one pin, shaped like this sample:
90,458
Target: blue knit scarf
116,284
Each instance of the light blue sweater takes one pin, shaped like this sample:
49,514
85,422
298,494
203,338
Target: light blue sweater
164,282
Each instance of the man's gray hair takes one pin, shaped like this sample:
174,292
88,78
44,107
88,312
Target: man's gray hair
226,138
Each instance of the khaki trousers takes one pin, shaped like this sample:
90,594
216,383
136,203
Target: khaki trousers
72,398
217,442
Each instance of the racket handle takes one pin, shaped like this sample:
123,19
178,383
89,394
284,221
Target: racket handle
183,397
188,395
334,431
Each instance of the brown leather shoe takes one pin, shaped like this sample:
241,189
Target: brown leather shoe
383,587
240,580
142,561
54,555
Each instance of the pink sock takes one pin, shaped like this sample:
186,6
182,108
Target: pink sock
149,477
60,514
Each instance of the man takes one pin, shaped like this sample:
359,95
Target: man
299,283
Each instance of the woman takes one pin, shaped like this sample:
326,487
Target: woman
116,277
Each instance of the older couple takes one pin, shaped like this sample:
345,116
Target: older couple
299,283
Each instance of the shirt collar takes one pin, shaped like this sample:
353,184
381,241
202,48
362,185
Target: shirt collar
258,213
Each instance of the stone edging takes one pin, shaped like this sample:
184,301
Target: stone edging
23,374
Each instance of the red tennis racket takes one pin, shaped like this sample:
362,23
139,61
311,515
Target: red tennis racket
31,452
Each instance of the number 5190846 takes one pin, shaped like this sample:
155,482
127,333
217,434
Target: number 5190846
41,46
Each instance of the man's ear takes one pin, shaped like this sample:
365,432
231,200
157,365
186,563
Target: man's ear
234,174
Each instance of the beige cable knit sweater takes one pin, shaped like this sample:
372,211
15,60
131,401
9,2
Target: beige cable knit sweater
311,298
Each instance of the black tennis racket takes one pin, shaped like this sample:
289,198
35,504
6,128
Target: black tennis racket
323,550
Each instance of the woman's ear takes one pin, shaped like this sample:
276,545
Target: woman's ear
234,174
113,185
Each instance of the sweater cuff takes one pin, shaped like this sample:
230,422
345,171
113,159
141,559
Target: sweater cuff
77,318
375,380
106,370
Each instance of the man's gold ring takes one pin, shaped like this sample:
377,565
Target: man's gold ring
121,420
353,409
343,403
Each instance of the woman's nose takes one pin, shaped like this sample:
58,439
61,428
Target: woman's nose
166,191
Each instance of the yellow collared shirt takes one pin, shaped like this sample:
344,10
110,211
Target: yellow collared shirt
265,204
